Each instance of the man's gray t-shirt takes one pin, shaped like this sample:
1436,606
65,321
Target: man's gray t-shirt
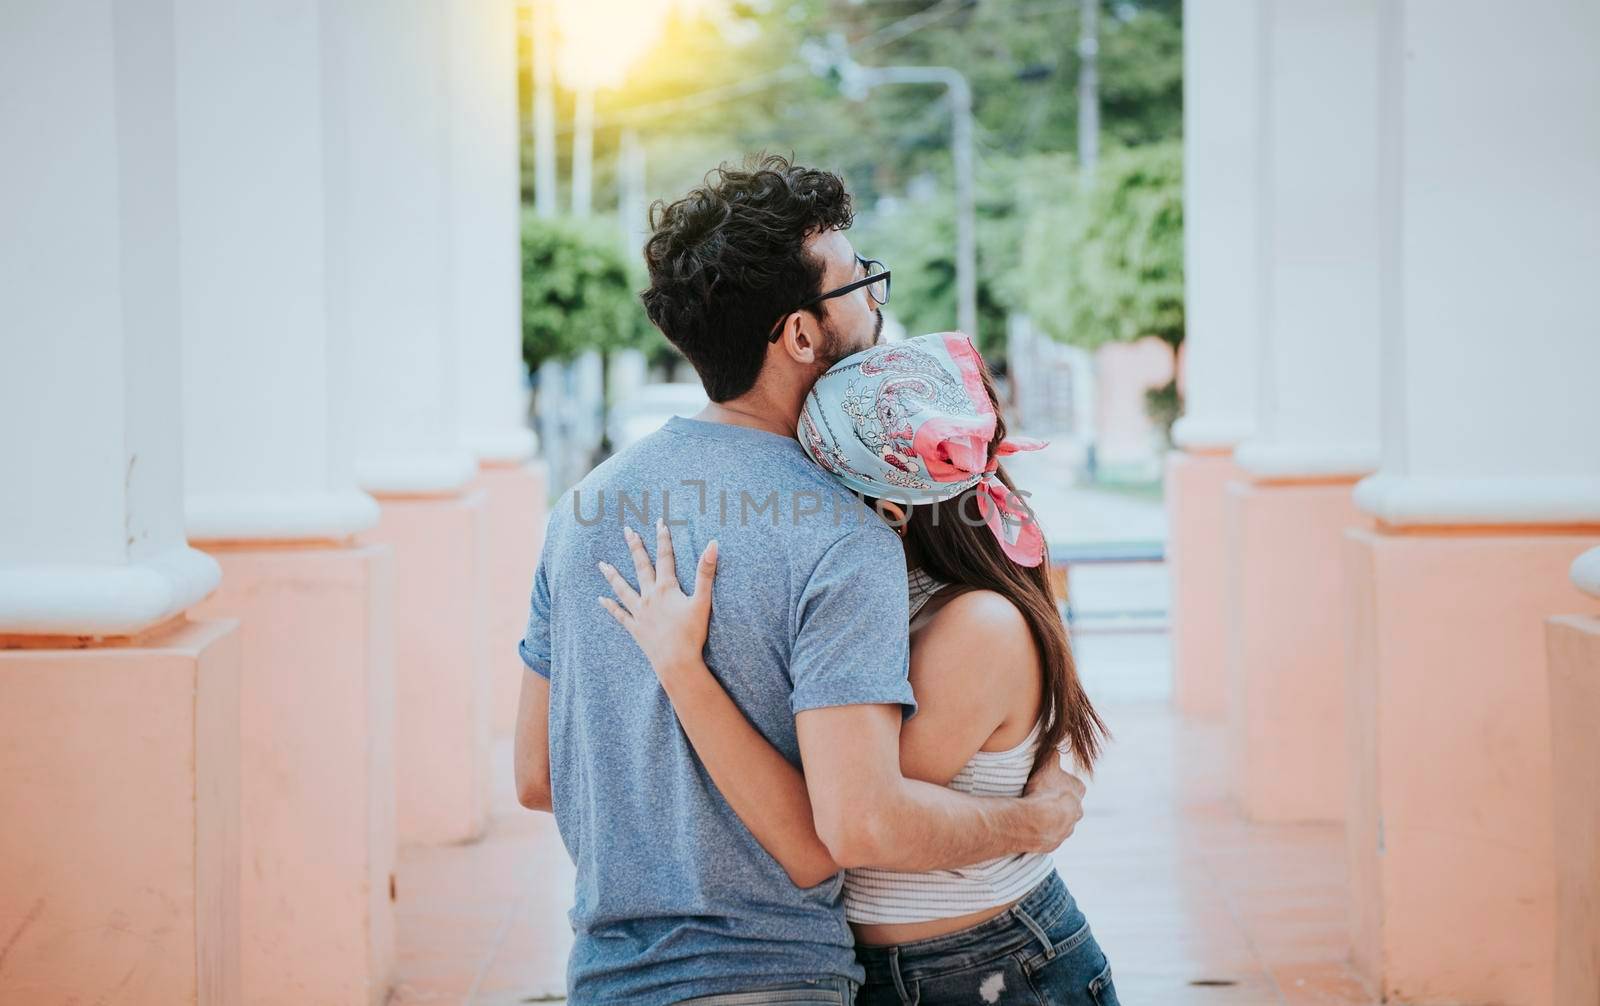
675,897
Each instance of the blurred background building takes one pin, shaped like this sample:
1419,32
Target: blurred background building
310,310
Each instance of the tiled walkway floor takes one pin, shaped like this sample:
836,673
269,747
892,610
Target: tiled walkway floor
1192,905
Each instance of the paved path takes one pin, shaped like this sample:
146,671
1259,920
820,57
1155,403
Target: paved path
1194,906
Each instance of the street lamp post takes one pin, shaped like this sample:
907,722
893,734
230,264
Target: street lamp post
1088,88
857,80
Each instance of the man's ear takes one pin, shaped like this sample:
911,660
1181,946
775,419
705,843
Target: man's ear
801,338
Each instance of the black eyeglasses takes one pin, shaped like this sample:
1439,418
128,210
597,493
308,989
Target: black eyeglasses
876,281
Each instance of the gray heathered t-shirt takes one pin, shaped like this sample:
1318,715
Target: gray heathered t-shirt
675,898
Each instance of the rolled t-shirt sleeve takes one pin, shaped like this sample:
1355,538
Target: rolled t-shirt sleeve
851,645
535,645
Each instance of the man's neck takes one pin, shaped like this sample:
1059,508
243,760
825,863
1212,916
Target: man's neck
755,410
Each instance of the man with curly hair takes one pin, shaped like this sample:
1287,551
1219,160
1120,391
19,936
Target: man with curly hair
753,279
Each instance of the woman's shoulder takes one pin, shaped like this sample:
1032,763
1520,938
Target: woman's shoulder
976,653
977,608
981,625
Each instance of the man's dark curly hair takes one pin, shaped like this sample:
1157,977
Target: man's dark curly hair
728,259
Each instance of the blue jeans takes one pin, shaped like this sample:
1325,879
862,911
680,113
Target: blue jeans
1039,952
821,992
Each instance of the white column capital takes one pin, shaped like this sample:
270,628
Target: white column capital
279,516
415,473
1203,433
1301,460
1586,572
90,599
506,445
1475,501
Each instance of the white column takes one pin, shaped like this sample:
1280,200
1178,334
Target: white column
267,437
392,242
1490,251
1221,52
1489,248
1317,397
91,515
486,301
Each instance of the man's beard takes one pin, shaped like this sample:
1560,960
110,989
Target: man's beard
833,347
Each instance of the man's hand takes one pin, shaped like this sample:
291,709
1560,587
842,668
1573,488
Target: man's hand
1057,798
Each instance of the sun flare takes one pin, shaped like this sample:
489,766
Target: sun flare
598,40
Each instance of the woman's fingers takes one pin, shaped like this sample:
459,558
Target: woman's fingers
666,562
705,573
625,593
641,559
621,616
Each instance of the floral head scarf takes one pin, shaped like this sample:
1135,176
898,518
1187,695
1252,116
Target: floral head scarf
911,422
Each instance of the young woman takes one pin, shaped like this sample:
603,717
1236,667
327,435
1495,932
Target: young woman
997,691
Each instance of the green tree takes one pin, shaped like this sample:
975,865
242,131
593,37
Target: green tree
916,238
725,81
719,84
1106,263
577,293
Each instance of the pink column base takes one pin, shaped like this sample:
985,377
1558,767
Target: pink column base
1574,648
1286,647
317,768
441,676
514,517
119,820
1449,821
1196,561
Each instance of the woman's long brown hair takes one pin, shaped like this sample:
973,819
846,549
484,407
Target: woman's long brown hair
945,543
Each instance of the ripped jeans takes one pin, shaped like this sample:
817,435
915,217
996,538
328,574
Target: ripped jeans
1040,952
